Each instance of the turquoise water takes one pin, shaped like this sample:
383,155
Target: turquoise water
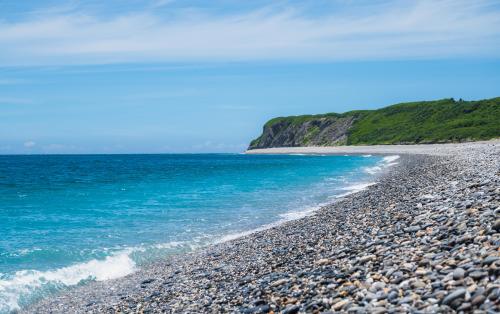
67,219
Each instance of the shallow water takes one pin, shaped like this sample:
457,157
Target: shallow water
68,219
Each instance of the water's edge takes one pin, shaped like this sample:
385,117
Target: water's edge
120,264
295,258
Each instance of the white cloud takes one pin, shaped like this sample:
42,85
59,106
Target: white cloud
29,144
396,29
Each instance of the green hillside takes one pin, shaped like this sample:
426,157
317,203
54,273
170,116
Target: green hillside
440,121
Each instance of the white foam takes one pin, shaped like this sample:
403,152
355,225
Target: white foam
23,252
25,282
294,215
386,162
366,156
191,245
355,188
390,160
358,186
169,245
237,235
285,217
233,236
372,170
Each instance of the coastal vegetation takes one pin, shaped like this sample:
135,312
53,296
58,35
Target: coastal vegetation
440,121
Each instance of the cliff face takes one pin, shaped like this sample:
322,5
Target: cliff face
440,121
316,132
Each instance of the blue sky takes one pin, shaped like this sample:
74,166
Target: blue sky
203,76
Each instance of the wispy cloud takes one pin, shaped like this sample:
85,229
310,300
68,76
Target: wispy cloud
391,30
29,144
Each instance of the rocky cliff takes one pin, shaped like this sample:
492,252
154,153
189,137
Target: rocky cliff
321,131
440,121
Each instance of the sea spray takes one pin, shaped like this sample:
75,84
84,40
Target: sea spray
26,284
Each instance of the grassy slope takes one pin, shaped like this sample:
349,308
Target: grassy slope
429,122
443,120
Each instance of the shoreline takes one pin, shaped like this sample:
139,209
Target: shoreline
286,217
356,187
121,263
300,265
425,149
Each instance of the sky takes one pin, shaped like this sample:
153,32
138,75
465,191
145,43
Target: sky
173,76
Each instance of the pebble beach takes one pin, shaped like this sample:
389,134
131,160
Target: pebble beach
424,239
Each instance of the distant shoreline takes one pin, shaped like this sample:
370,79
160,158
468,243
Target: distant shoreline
426,149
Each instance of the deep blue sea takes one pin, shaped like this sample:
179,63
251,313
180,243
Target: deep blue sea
68,219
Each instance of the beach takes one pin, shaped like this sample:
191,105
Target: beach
445,149
425,238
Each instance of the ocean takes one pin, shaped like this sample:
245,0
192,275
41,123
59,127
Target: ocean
69,219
